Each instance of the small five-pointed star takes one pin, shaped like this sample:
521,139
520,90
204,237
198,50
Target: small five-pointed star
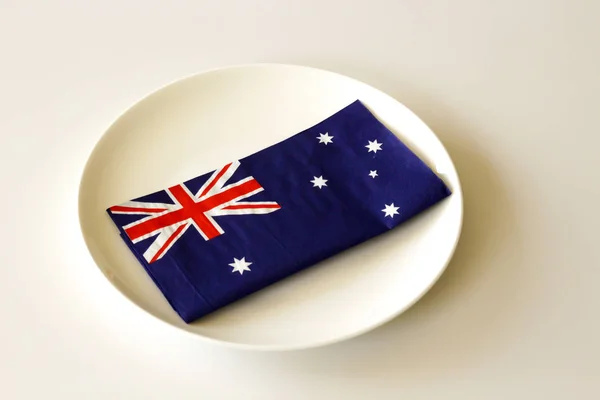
240,265
390,210
325,138
374,146
319,182
373,174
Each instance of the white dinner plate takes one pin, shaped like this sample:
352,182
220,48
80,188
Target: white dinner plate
198,124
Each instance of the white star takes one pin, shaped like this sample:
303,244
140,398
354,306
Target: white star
325,138
390,210
374,146
373,174
319,182
240,265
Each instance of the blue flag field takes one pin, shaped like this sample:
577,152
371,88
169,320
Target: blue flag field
223,235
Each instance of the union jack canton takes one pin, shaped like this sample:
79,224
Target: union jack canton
168,222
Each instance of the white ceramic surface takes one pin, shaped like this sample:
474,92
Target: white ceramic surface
199,123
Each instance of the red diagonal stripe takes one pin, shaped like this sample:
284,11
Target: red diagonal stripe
167,243
216,178
159,222
136,209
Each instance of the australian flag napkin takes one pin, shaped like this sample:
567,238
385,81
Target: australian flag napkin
218,237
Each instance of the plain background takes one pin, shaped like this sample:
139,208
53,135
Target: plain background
511,88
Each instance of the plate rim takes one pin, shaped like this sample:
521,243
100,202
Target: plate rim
456,189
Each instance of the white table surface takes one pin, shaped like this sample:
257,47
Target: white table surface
512,89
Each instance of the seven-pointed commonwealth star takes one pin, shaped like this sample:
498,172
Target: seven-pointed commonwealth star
319,182
325,138
373,174
374,146
240,265
390,210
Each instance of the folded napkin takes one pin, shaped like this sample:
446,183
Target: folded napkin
223,235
